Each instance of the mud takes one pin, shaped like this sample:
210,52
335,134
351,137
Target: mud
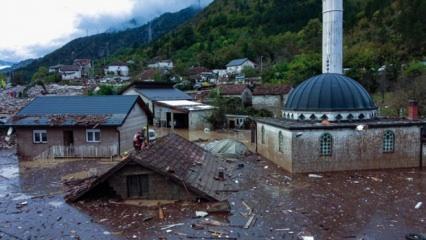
346,205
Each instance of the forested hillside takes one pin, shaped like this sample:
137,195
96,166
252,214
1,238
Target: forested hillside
286,34
106,44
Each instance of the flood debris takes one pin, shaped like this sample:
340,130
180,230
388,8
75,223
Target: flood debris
201,214
315,175
227,148
418,205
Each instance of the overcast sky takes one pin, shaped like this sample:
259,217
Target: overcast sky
32,28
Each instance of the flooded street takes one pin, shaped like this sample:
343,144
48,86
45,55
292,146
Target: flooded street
345,205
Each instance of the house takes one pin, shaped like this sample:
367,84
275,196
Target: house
117,70
234,121
70,72
162,65
151,92
182,114
78,126
169,106
85,64
237,66
55,69
264,96
330,122
172,168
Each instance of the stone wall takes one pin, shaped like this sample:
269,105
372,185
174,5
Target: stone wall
160,187
352,150
27,150
270,149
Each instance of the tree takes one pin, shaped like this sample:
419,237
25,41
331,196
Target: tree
2,81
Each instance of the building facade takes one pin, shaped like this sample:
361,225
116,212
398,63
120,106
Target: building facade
76,127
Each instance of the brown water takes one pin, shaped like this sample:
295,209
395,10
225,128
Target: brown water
346,205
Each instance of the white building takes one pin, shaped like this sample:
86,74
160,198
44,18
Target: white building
70,72
163,64
236,66
118,69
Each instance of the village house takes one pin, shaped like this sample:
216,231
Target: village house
172,168
55,69
330,122
169,106
263,96
70,72
117,70
86,66
162,65
236,66
78,126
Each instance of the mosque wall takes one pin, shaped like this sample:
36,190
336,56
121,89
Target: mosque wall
351,149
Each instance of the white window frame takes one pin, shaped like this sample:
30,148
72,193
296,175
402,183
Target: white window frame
40,135
93,132
280,142
388,142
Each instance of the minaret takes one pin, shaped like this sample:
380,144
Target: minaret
332,36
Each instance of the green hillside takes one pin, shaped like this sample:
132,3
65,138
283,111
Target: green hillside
103,45
286,34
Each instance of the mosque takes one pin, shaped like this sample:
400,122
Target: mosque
330,122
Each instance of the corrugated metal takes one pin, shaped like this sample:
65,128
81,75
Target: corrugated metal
163,94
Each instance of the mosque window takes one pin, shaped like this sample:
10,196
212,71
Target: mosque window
262,135
280,142
350,117
361,116
302,117
388,142
326,144
339,117
313,117
324,117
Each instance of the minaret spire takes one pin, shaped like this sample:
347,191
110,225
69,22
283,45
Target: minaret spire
332,42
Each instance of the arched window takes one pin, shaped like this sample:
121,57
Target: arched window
350,117
326,144
262,136
361,116
339,117
302,117
280,142
313,117
388,142
324,117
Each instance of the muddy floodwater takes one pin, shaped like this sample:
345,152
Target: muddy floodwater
269,204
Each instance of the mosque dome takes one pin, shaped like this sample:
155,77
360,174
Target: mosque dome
330,96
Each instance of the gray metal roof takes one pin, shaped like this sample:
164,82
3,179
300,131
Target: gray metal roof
237,62
163,94
75,110
330,92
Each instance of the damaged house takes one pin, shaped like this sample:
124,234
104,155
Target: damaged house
172,168
78,126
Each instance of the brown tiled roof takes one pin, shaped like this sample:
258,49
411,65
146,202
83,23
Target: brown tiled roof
182,161
197,70
232,89
263,89
70,68
271,90
148,74
82,62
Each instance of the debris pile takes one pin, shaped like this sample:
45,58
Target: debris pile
55,89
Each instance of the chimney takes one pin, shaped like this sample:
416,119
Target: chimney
413,110
332,38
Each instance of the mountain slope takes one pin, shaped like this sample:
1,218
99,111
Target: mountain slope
105,44
286,35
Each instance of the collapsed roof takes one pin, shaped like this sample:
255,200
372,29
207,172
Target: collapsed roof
180,160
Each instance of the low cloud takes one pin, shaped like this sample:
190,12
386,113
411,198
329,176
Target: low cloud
84,24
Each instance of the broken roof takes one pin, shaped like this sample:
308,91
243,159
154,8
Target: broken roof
76,110
182,161
185,105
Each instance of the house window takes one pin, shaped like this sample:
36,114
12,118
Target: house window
262,135
137,186
93,135
39,136
388,142
326,142
280,142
